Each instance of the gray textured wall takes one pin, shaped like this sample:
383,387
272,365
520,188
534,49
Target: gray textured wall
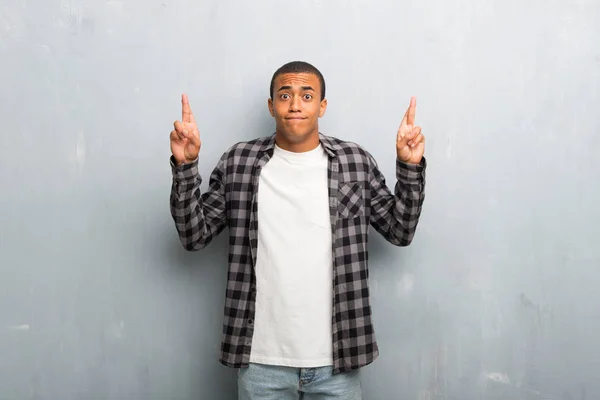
497,298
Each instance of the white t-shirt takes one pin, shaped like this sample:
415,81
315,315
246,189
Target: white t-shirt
294,270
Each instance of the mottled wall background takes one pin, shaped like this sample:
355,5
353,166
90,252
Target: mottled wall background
498,296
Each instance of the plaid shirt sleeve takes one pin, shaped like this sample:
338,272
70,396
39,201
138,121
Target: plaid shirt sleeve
199,217
396,215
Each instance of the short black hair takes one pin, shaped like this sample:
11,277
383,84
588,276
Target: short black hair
298,67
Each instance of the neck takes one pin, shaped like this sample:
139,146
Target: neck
307,143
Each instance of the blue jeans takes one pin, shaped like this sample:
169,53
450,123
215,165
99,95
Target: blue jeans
269,382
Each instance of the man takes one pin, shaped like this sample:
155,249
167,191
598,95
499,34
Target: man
298,205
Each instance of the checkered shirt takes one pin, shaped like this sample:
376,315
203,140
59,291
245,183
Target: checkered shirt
358,197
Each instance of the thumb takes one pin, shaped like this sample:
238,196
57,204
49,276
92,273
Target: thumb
405,133
192,137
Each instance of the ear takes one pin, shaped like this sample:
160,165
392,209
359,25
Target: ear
323,107
271,110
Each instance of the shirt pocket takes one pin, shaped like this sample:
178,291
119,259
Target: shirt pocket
350,200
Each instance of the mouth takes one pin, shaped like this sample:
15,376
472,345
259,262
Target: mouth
295,118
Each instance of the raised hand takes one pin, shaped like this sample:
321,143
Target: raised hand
185,138
410,143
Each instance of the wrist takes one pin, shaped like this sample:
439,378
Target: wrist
178,163
409,161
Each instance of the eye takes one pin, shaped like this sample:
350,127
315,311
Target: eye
285,96
307,96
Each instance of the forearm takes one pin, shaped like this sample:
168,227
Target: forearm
409,194
196,220
396,215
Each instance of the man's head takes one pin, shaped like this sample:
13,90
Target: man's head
298,67
297,102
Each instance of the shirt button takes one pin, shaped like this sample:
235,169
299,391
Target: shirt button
250,322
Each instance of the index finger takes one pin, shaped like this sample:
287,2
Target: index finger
409,116
186,110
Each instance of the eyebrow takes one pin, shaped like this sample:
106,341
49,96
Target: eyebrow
302,87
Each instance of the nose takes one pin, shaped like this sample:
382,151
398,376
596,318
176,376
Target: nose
295,104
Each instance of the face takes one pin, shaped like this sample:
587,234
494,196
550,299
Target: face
296,106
